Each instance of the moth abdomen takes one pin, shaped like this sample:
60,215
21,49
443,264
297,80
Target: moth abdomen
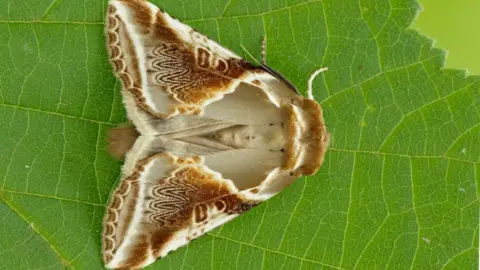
121,140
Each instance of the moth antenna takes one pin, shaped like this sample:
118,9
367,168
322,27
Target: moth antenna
310,81
121,140
264,50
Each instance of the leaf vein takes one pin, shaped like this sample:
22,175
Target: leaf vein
274,251
54,249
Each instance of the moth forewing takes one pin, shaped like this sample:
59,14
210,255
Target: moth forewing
216,135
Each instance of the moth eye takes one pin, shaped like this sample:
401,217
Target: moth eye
271,124
291,173
283,150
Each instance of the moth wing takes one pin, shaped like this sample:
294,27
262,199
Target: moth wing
167,68
165,202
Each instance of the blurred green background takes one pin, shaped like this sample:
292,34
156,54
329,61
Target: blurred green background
455,27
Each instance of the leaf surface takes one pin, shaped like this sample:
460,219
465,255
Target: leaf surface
399,187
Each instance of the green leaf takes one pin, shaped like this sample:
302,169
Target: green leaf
398,189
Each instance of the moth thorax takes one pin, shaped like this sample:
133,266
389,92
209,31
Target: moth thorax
269,137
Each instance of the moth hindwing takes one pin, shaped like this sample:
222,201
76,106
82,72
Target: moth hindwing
215,135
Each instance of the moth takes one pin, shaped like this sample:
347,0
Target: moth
213,135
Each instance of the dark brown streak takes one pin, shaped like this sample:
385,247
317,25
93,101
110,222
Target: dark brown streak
279,76
142,15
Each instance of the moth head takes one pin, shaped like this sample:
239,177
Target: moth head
313,135
317,144
308,138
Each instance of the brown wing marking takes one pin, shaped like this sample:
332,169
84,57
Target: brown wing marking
188,196
123,57
179,62
123,200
